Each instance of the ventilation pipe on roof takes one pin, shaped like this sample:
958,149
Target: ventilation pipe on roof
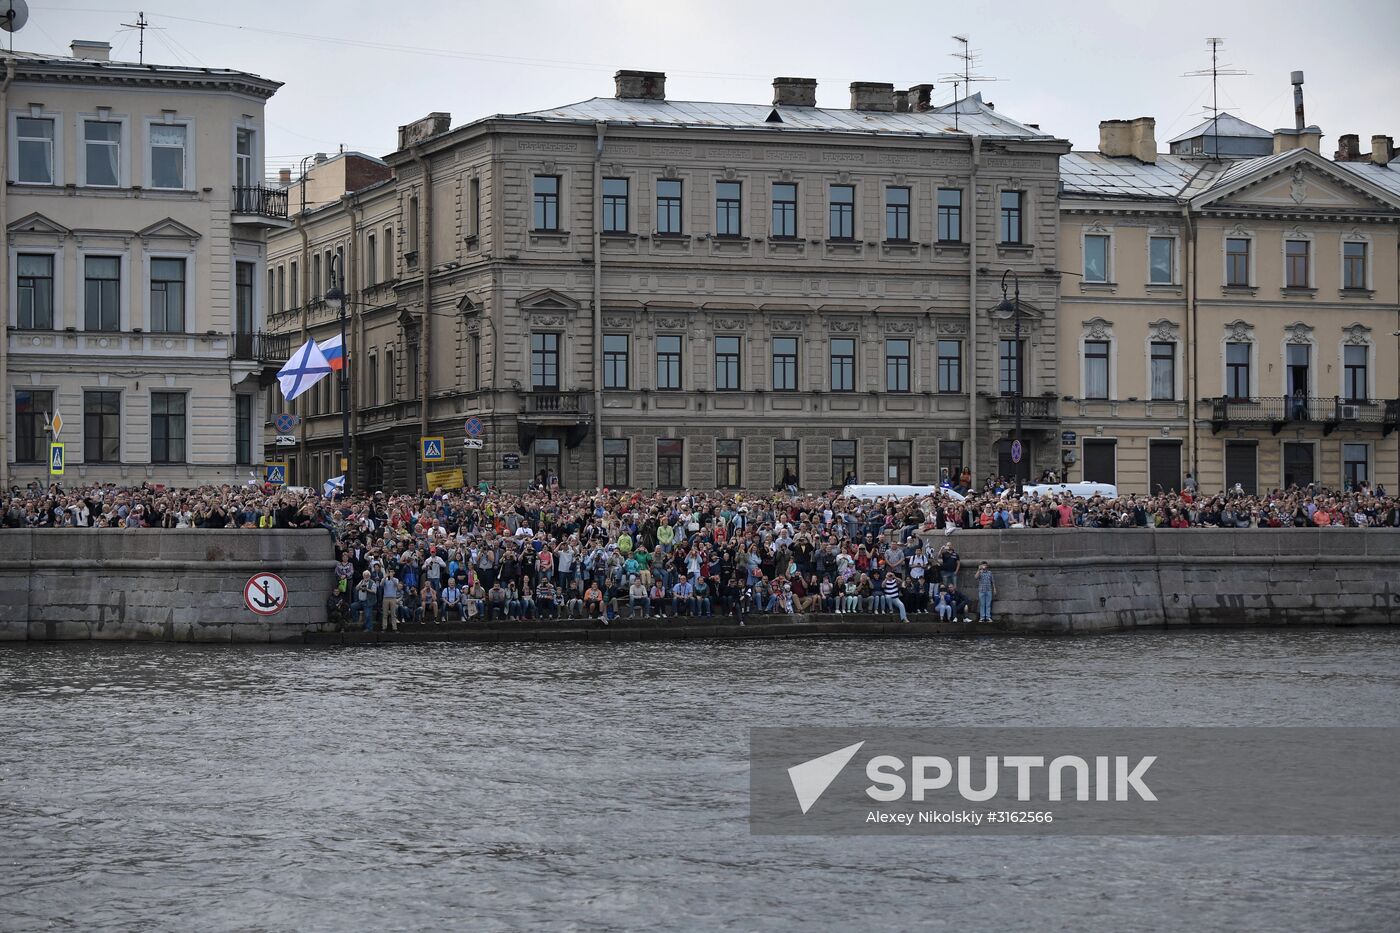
901,101
90,50
794,92
1348,148
1300,136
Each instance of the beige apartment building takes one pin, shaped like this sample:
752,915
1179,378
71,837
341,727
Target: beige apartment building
1235,318
642,292
135,226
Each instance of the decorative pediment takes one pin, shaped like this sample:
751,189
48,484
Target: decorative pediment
1239,331
1298,332
844,325
1096,328
786,325
547,301
466,305
168,228
1299,180
1097,229
1163,331
1357,335
38,223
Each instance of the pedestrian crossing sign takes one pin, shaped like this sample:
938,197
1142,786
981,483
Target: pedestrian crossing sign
275,474
432,449
55,459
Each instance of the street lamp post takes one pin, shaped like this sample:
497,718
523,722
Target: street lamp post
335,298
1013,308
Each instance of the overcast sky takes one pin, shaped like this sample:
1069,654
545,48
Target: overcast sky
356,69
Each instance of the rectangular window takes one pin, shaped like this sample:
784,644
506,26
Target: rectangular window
243,428
32,408
728,462
784,364
167,427
615,205
842,212
1236,262
244,176
784,211
34,290
546,217
34,142
1096,258
282,288
950,461
293,286
900,462
411,223
727,364
1354,374
168,296
1009,370
843,463
102,153
168,155
616,469
1355,465
897,351
1161,260
729,202
242,297
950,366
668,206
1163,376
388,253
544,362
949,215
1010,229
391,377
101,427
1096,369
372,381
843,364
371,260
670,462
615,368
101,293
1296,254
897,215
1353,265
785,463
1237,382
668,362
476,212
316,290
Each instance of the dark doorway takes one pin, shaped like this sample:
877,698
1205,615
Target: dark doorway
1100,462
1011,470
1241,466
1297,464
374,474
1164,466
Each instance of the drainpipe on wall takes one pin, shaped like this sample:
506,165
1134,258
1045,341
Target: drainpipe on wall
303,311
602,129
352,275
425,259
5,278
1190,327
971,311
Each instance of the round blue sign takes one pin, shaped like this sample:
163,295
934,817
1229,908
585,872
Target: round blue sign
285,423
1015,451
473,427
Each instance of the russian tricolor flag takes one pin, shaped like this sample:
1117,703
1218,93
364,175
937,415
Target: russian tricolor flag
334,351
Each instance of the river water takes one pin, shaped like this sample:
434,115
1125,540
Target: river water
596,787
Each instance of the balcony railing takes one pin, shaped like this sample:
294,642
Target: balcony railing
1280,411
1032,409
556,403
265,348
260,201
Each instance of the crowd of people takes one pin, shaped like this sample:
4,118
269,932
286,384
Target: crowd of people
549,553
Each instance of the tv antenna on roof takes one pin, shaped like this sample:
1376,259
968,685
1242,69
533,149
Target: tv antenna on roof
13,15
1215,72
140,26
969,57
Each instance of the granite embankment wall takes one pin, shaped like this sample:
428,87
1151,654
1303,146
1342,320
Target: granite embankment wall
158,585
1100,580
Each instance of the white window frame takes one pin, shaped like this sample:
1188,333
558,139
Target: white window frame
1177,367
123,289
1253,263
190,134
56,157
256,156
191,298
59,279
1084,236
123,149
1176,260
1342,260
1112,342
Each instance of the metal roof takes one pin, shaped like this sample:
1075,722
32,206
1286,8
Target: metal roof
1093,173
132,70
1384,176
1230,125
968,117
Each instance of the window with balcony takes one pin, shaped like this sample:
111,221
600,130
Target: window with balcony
1237,376
727,370
615,368
34,290
843,364
245,159
784,364
243,303
544,362
668,207
1009,372
897,364
729,212
101,426
842,213
728,463
668,362
615,197
950,366
949,215
784,211
897,215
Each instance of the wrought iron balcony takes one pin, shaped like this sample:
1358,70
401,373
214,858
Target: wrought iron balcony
1038,408
259,204
1279,412
265,348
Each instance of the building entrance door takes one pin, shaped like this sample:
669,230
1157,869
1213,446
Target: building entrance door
1241,466
547,458
1297,464
1099,462
1164,467
1011,470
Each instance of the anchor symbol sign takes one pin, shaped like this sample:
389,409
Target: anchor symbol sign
265,594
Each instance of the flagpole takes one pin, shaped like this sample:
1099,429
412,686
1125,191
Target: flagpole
336,299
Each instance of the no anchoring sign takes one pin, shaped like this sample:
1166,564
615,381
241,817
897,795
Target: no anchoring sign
265,594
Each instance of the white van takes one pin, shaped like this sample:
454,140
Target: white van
886,491
1078,490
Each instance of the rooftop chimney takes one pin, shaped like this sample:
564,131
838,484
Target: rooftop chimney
873,96
640,85
794,92
319,158
1299,123
1136,138
419,130
921,98
284,176
91,50
1382,150
1348,148
1301,136
901,101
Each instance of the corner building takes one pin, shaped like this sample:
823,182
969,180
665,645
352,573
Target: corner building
639,292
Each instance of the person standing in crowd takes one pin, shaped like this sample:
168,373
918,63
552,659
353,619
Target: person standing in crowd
986,591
